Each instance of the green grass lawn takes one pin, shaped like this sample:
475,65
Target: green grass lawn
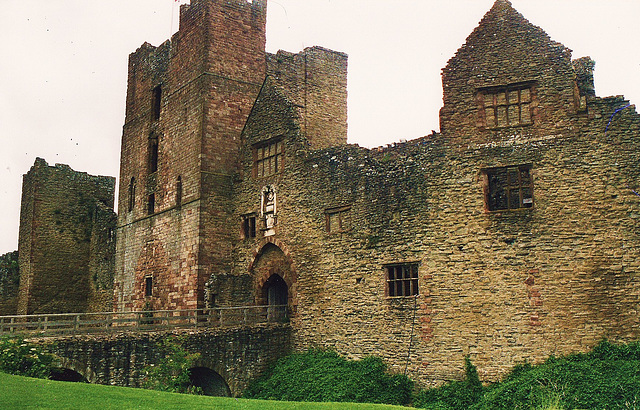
18,392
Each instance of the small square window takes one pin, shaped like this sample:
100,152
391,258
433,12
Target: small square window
402,279
508,188
338,219
507,106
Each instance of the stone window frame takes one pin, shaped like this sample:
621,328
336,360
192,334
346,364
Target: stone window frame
148,286
131,200
153,153
516,100
401,279
151,204
249,225
522,188
156,102
273,159
341,215
179,191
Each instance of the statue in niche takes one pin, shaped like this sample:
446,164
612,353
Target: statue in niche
268,209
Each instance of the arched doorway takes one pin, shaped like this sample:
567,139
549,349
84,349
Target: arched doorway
275,282
211,383
276,294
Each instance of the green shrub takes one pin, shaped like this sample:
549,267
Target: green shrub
173,372
453,395
322,376
608,377
25,359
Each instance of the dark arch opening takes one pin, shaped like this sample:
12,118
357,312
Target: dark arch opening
67,375
211,383
276,294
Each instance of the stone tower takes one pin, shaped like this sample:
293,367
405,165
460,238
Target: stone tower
66,241
187,102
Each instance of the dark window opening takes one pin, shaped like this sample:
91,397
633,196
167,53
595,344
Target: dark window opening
507,106
249,226
509,188
268,159
156,101
338,219
402,279
179,192
148,286
132,194
151,204
153,154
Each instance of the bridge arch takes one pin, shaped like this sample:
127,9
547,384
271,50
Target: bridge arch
73,371
210,381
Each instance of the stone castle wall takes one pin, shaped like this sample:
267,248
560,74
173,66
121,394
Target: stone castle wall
198,223
504,287
67,241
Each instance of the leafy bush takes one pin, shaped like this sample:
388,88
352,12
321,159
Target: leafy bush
453,395
173,372
25,359
608,377
323,376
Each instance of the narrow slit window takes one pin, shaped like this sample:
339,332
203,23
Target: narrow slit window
151,204
156,98
132,194
148,286
153,154
179,191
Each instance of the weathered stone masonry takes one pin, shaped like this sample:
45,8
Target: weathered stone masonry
553,276
509,236
67,241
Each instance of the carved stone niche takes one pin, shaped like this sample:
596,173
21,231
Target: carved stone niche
268,209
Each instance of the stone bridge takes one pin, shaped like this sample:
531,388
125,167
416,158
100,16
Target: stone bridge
231,355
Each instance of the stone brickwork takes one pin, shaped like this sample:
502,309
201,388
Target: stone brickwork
257,198
9,280
188,101
236,355
67,241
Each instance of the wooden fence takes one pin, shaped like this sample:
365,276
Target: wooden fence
79,323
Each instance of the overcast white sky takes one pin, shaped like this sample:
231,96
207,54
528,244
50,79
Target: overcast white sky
63,67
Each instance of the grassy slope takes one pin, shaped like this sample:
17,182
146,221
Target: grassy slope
18,392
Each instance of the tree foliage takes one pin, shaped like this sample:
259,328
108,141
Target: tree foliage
9,274
173,372
25,359
323,376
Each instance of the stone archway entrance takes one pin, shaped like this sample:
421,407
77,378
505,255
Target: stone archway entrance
275,282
